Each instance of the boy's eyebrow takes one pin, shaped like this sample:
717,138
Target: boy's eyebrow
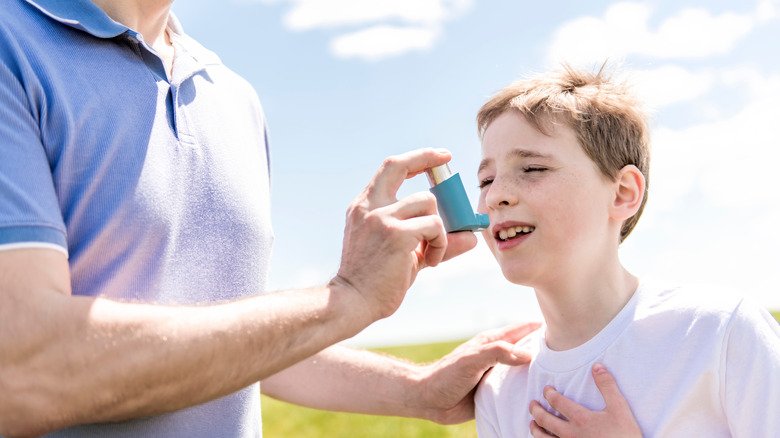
515,153
483,164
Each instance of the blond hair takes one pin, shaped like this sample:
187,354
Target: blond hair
605,116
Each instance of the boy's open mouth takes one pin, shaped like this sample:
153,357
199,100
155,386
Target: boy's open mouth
513,232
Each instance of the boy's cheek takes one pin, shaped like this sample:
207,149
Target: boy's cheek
481,204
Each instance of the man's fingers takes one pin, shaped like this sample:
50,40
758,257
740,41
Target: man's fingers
415,205
511,333
608,387
481,357
388,179
458,243
504,353
547,421
429,232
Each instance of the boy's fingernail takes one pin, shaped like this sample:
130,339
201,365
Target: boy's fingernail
598,368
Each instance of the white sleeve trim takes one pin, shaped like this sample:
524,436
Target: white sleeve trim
24,245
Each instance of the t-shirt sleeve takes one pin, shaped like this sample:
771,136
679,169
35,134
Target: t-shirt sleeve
29,210
485,411
751,372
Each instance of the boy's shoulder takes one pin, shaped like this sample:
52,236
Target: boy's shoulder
696,299
694,311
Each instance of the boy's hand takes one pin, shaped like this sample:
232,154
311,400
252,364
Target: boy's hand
446,387
616,420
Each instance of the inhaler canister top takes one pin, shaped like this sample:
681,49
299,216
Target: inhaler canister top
438,174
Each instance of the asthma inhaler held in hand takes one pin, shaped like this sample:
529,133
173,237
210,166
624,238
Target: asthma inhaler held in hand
454,207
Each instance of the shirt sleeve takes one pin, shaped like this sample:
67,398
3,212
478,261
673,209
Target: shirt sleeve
751,372
29,210
485,411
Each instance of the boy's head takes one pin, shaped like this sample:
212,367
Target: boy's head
563,176
605,117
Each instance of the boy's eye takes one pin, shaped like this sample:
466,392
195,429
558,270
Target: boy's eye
485,182
534,169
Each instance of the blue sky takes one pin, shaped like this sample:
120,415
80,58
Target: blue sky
345,83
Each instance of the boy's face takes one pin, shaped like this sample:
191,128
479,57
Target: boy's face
548,203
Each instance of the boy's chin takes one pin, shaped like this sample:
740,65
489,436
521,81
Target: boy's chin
516,276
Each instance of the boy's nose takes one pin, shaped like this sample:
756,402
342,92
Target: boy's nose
500,195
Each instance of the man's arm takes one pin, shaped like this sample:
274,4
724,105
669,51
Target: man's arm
360,381
67,360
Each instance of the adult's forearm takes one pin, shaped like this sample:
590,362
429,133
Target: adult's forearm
87,360
351,380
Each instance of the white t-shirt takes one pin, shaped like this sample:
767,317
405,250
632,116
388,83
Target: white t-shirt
694,361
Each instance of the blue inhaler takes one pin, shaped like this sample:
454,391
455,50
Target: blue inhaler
454,207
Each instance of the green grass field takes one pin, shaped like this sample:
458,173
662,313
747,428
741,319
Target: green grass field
285,420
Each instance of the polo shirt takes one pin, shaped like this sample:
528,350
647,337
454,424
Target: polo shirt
156,188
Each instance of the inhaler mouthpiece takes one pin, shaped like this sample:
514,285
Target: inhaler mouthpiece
454,207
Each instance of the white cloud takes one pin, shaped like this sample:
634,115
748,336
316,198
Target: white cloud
314,14
624,30
383,41
377,28
670,84
731,161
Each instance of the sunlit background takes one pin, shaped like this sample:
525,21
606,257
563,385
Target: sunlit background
345,83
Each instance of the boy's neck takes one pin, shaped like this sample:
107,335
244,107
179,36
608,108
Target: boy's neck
576,312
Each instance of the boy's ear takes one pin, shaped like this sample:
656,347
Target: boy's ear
629,192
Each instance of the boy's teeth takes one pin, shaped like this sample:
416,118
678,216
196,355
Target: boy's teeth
512,232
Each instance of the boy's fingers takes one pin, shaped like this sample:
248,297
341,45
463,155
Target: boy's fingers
608,387
563,404
548,422
538,432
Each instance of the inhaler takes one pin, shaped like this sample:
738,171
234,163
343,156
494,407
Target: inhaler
454,207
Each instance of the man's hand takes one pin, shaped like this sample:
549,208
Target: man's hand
387,241
616,420
448,385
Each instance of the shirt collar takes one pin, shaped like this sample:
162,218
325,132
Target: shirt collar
199,53
81,14
84,15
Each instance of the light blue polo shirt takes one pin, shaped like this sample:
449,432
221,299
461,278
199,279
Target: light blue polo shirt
156,188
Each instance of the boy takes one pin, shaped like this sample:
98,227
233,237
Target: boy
564,180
